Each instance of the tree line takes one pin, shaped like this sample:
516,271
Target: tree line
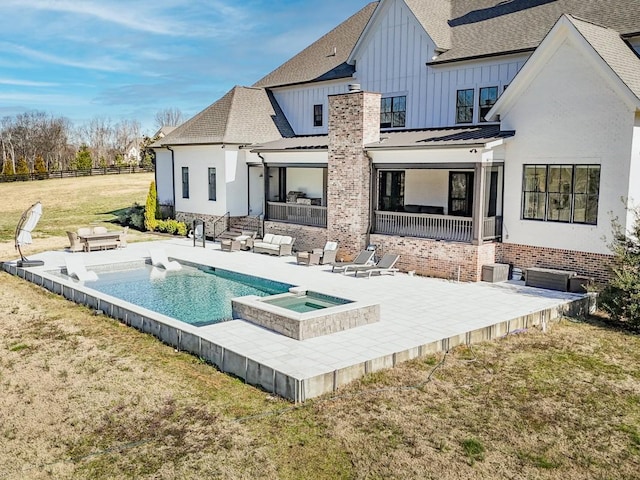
38,142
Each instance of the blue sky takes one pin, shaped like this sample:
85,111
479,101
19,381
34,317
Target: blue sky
128,59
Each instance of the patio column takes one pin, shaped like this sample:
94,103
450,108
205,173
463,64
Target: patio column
477,222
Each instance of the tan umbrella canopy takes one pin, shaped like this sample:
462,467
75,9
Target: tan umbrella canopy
25,226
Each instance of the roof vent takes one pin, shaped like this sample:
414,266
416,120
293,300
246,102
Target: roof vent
354,87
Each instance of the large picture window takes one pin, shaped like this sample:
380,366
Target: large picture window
393,112
185,182
212,183
561,193
464,106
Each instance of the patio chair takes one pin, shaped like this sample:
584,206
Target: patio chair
122,239
363,258
76,245
159,259
384,266
319,256
75,268
100,230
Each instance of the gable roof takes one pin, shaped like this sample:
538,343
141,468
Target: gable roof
603,43
326,58
614,51
487,27
242,115
433,16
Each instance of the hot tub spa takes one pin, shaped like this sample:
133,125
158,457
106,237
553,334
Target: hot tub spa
303,314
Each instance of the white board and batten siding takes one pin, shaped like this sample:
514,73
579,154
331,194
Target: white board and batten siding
297,103
393,62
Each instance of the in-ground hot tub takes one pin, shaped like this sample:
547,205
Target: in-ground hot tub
303,314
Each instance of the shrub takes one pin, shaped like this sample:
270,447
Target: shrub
7,168
132,217
150,222
174,227
621,297
22,168
82,160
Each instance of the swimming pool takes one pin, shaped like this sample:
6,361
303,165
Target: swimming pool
195,295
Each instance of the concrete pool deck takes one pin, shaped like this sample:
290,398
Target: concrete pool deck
418,316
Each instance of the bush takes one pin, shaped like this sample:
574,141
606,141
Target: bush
150,222
171,226
621,297
132,217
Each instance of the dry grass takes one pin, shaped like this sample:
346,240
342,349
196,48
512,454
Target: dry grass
83,397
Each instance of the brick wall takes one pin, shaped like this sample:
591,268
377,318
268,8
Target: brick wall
354,120
594,265
433,258
307,238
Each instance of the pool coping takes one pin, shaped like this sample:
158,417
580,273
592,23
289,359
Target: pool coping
263,372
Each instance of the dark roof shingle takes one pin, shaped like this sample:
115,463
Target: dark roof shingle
243,115
318,61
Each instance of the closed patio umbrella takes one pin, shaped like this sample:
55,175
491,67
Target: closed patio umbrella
25,226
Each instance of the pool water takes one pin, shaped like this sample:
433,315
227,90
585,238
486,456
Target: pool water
306,303
197,296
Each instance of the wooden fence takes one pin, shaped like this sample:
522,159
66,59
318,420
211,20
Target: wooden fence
74,173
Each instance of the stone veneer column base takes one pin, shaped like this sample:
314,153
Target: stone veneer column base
594,265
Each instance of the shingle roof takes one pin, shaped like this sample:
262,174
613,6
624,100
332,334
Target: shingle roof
612,49
486,27
441,137
433,16
243,115
318,61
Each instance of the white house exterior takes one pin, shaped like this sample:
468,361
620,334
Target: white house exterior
456,133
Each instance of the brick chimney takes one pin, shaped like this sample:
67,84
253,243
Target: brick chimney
354,121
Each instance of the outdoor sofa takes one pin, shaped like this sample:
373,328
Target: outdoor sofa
274,244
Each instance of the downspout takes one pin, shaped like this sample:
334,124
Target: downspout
173,179
372,183
265,185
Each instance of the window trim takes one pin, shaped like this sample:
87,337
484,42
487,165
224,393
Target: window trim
470,106
318,115
573,194
212,196
185,182
392,111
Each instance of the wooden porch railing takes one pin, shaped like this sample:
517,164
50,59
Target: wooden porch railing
295,213
438,227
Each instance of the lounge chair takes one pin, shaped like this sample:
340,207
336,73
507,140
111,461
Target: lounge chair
75,268
76,245
363,258
159,259
384,266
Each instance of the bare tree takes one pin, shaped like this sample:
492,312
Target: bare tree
169,117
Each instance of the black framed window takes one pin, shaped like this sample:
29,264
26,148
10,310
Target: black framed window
461,194
464,106
561,193
391,190
393,112
317,115
185,182
212,183
488,97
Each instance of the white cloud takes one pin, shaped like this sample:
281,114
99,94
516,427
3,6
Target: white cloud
26,83
104,64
